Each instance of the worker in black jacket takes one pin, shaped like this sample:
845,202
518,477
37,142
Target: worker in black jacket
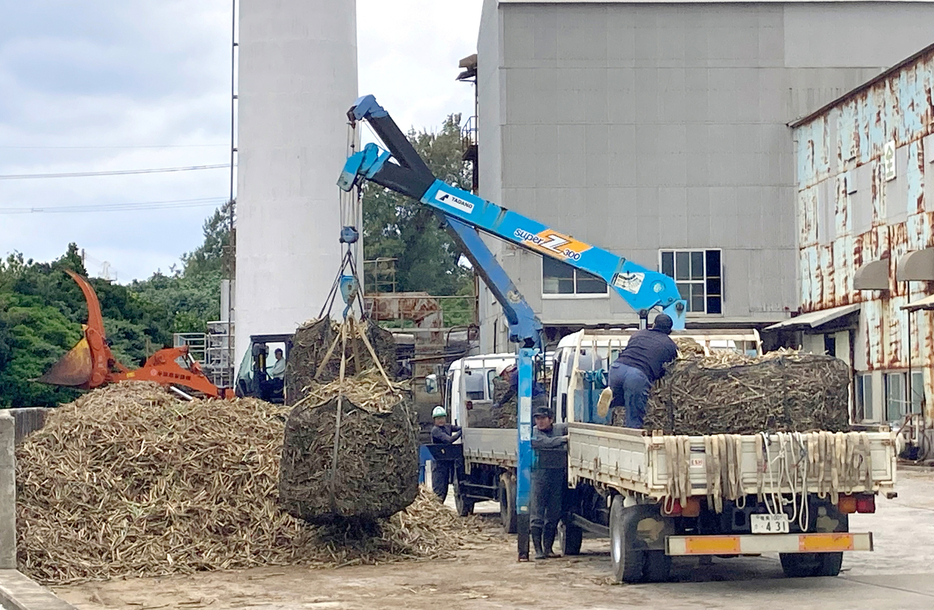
442,433
549,479
640,365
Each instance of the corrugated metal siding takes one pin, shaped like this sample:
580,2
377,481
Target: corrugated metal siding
846,141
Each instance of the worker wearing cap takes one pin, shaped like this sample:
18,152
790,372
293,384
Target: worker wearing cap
549,480
641,364
442,433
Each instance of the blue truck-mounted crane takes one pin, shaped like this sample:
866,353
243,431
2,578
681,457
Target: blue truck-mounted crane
398,167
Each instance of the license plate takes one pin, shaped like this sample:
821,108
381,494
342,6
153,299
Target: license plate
769,524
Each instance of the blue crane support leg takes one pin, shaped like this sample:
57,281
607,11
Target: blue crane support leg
524,468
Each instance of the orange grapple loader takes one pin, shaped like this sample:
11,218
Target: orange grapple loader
90,364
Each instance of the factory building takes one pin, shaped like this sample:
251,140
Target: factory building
660,131
865,244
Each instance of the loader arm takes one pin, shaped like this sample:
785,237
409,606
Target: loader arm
88,364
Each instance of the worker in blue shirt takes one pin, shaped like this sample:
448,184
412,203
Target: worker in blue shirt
549,480
442,433
640,365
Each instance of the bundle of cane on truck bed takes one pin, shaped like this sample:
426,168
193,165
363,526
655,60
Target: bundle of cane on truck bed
730,393
351,445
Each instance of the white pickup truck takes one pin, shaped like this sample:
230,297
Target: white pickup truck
657,496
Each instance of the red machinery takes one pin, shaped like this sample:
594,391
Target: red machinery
90,364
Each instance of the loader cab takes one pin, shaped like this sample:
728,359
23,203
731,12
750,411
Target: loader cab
252,378
582,361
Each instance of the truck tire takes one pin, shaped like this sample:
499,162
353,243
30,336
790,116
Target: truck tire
805,565
569,537
463,505
657,566
628,563
507,503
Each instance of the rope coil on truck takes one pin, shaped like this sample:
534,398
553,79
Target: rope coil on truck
788,466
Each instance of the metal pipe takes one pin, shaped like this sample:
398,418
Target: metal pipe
231,253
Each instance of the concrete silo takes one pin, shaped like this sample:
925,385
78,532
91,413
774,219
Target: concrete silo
297,78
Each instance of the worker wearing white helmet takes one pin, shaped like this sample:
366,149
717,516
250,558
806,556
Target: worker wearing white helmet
442,433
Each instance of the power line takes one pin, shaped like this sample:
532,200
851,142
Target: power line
122,172
113,147
117,207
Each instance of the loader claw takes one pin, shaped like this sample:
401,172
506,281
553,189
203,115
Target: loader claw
73,369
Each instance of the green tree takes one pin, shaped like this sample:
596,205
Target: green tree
215,255
398,227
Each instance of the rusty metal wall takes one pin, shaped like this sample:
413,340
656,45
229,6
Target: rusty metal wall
850,214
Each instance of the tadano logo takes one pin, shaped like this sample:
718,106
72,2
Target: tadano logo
553,243
453,201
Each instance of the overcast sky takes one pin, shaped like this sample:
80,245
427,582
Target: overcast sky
104,85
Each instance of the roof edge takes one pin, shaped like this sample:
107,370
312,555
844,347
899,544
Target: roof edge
872,81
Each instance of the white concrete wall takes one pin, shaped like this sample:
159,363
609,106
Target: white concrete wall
298,77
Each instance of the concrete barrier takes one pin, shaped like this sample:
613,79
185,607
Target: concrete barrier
7,491
28,420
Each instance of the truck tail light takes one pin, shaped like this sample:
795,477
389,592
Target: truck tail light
691,508
865,503
671,510
847,504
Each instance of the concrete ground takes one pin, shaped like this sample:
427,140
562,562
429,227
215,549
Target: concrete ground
898,574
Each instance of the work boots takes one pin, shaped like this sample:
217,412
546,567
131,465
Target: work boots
548,540
536,533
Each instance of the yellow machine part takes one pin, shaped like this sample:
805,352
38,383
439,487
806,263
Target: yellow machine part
73,369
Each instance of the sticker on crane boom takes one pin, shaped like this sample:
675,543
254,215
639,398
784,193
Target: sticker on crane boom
630,282
455,202
553,243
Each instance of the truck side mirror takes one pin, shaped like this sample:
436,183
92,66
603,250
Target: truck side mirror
431,384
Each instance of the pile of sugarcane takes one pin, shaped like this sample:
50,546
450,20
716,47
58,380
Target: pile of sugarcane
350,451
130,481
730,393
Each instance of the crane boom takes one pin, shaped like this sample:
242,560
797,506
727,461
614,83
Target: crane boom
400,169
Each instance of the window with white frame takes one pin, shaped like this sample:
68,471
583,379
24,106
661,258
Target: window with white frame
897,405
564,280
917,391
862,410
699,276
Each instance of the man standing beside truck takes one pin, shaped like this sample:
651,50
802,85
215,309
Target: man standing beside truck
442,433
549,480
640,365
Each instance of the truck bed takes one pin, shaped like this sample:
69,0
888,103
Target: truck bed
628,460
495,446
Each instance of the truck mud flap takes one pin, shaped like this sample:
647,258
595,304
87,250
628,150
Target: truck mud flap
648,529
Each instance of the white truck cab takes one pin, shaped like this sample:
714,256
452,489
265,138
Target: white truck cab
470,384
582,360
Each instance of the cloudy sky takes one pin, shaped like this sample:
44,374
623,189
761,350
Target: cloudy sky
108,85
